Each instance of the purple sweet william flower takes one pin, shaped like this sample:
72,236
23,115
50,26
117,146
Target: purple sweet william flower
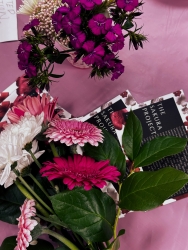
94,54
118,44
117,71
127,5
23,51
57,21
71,3
34,22
99,24
108,61
71,23
31,70
77,39
89,4
113,32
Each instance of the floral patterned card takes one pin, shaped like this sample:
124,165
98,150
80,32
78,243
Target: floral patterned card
110,115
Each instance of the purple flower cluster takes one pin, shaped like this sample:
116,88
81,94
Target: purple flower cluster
24,50
127,5
97,39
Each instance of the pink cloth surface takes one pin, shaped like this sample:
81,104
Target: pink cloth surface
160,68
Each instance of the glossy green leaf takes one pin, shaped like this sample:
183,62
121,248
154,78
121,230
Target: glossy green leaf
11,199
108,150
146,190
91,214
132,136
10,243
158,148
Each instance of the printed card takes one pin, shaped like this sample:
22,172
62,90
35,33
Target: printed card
8,21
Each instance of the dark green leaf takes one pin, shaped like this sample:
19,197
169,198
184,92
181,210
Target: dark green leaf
10,243
115,243
53,219
158,148
60,59
132,136
56,76
128,25
146,190
108,150
10,201
91,214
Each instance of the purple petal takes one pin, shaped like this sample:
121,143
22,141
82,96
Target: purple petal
110,37
88,46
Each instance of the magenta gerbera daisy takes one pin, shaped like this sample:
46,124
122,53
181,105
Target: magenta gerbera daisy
26,224
80,171
73,132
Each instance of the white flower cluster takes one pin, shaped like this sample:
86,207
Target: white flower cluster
12,142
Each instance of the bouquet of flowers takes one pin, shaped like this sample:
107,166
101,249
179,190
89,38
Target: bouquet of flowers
94,30
68,179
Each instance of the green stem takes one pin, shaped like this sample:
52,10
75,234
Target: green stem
54,150
35,195
24,191
117,216
60,238
34,158
39,185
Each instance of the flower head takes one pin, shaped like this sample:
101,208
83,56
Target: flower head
80,171
90,4
117,71
99,24
13,139
73,132
28,7
34,22
35,106
127,5
24,51
71,22
95,54
26,224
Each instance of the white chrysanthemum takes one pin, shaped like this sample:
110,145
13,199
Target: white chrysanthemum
24,131
12,142
25,161
28,7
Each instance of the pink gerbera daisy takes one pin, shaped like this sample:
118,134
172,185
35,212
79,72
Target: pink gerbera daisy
35,106
73,132
80,171
26,224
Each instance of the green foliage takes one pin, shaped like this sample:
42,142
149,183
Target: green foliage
132,136
108,150
158,148
10,243
10,201
91,214
146,190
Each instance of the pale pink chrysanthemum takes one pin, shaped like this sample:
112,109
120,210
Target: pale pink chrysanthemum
80,171
26,225
35,106
73,132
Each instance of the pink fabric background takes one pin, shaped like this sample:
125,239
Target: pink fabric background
160,68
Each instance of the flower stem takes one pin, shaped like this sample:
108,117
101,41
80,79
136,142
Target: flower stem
54,150
35,195
60,238
39,185
24,191
34,158
117,216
